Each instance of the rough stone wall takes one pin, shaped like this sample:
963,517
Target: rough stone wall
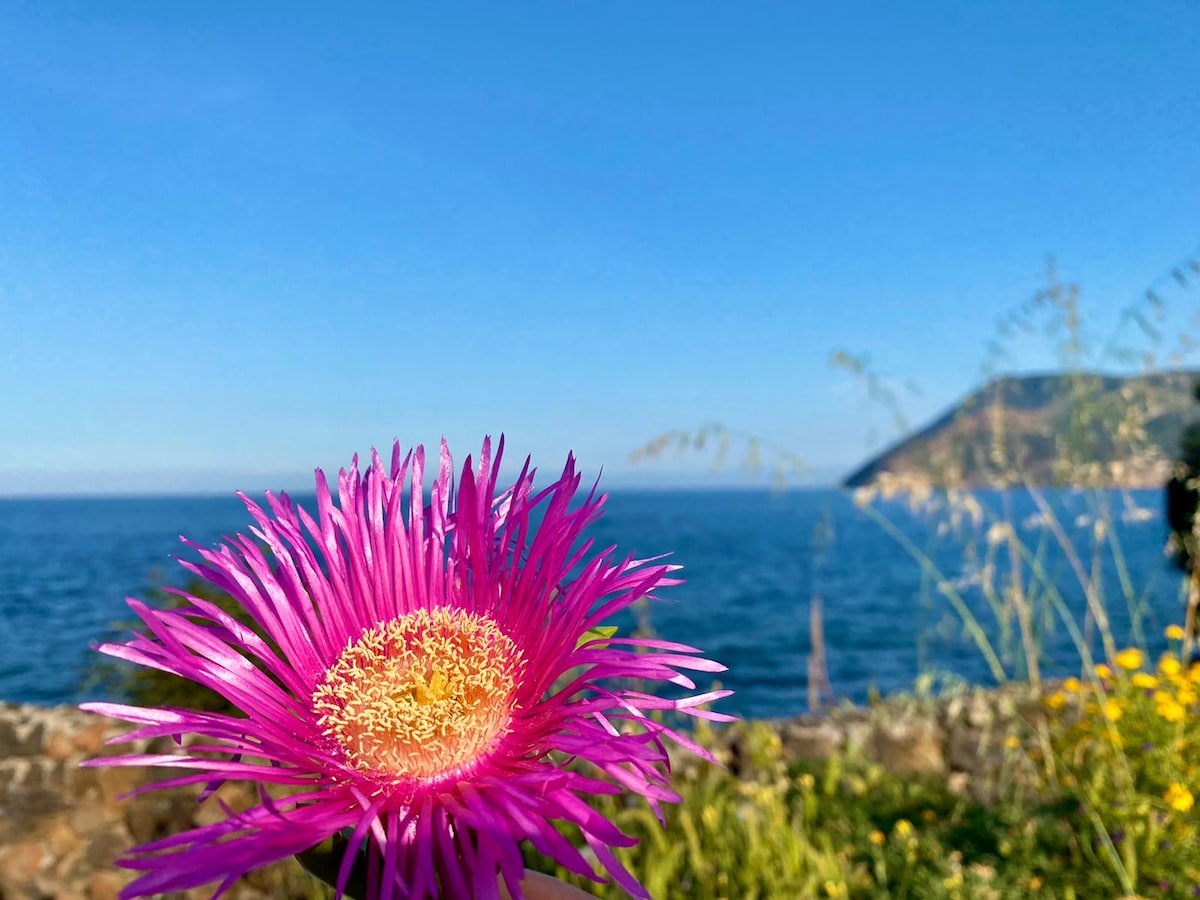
62,827
959,738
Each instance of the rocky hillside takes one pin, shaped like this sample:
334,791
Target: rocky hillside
1055,429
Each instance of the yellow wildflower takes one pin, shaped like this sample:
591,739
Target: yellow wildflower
1103,671
878,838
1113,710
1055,700
904,828
1144,680
1174,633
1187,695
1071,685
1129,659
1168,707
1178,797
1036,882
1012,742
1169,665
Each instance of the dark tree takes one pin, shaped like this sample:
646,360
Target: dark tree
1183,494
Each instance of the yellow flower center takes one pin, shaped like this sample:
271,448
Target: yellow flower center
420,695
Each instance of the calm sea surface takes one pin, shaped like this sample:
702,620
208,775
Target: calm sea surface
753,561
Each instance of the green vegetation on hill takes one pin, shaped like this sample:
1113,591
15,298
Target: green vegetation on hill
1078,428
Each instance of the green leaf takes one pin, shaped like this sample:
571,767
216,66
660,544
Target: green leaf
599,633
324,860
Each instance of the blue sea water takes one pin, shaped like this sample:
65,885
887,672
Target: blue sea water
753,562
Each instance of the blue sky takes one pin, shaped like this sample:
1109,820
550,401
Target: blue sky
241,241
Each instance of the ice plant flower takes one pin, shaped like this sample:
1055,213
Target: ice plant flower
417,678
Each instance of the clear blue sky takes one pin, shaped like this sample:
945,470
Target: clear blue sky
238,241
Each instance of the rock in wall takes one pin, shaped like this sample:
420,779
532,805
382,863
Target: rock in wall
960,738
62,827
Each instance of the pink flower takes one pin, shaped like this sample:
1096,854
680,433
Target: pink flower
416,676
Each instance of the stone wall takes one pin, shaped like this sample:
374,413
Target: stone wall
62,827
959,738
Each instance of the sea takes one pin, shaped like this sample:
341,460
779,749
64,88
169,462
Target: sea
755,562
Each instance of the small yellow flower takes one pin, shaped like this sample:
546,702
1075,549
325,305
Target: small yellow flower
878,838
1144,680
1174,633
1187,695
1168,707
1178,797
1112,710
1012,742
1055,700
904,828
1169,666
835,889
1129,659
1036,882
1171,712
1103,671
1071,685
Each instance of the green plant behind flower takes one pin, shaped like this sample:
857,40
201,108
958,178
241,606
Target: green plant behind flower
1128,753
152,687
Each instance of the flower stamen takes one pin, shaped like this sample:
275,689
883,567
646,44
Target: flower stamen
420,695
